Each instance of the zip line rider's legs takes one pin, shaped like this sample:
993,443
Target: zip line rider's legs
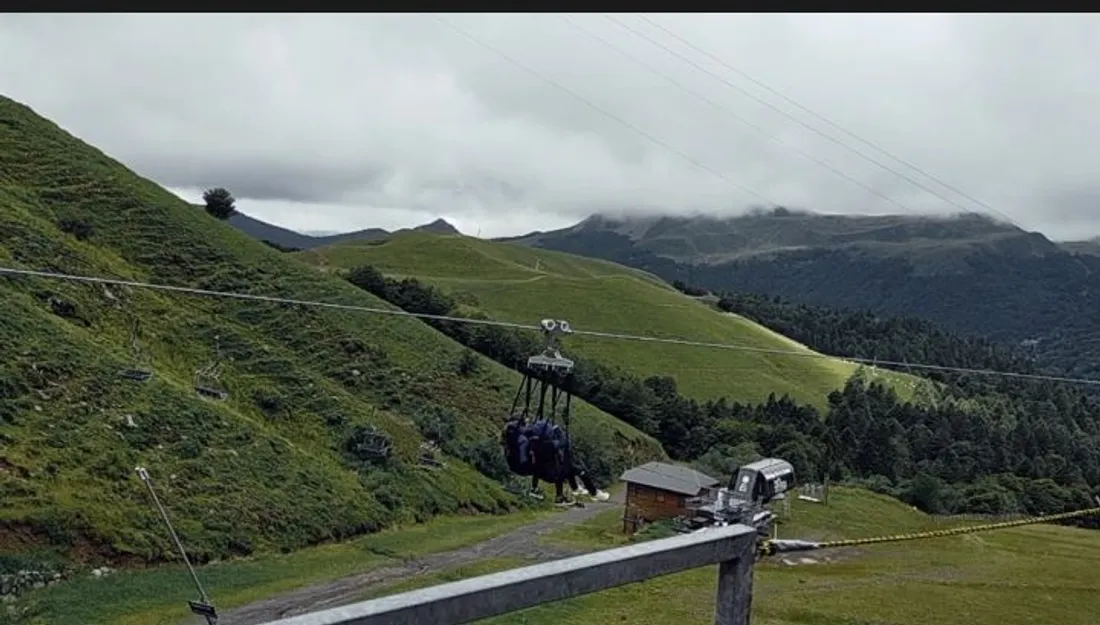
559,492
578,471
586,479
573,481
573,468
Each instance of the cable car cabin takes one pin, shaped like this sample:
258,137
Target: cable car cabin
761,481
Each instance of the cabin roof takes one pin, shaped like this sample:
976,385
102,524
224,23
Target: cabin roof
770,467
669,477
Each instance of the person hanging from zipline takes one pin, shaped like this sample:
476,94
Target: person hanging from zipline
559,464
518,453
542,449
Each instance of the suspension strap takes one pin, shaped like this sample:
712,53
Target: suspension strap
203,607
543,386
555,392
565,413
527,399
565,418
525,385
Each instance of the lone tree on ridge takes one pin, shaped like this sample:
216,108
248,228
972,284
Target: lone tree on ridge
219,203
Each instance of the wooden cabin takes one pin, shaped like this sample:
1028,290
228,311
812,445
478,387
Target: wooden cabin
658,490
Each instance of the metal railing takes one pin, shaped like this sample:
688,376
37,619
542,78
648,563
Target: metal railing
733,548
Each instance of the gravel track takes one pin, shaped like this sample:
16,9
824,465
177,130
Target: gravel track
523,542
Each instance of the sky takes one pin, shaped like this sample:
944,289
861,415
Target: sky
503,124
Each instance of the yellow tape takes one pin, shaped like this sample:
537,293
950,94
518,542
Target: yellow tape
767,548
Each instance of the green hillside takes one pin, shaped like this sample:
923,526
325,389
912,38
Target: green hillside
1020,576
969,274
516,283
280,464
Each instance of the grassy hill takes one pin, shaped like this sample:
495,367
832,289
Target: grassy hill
969,274
1021,576
516,283
277,466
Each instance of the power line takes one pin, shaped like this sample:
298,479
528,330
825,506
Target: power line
807,110
835,125
734,115
522,326
603,111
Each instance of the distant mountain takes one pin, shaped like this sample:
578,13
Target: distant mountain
710,240
289,239
1090,246
969,273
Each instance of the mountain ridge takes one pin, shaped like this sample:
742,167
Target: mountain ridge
294,240
712,240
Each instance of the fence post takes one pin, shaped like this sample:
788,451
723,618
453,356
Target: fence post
734,605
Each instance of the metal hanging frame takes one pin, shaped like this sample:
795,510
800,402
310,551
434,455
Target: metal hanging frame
203,607
206,381
551,373
138,357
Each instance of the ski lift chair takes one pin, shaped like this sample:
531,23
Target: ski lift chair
428,456
207,382
140,369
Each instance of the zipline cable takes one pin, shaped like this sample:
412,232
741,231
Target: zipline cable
523,326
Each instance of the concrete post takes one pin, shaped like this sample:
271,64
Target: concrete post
734,605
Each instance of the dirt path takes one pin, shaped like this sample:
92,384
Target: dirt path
523,542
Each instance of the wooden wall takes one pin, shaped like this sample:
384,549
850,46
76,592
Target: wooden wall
646,505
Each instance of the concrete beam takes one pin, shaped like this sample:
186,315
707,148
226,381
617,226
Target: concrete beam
733,547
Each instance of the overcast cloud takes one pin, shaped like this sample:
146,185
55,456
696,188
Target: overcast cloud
340,122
